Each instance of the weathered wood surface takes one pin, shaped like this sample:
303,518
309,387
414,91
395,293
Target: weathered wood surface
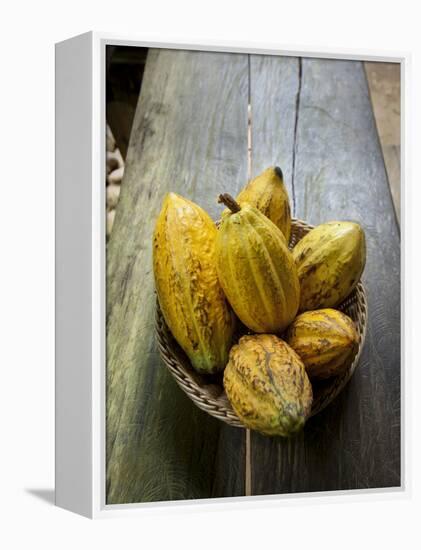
384,83
314,119
273,93
189,136
339,174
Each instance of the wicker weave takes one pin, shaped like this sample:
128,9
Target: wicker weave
208,393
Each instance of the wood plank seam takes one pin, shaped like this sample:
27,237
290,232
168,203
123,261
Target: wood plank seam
294,150
279,116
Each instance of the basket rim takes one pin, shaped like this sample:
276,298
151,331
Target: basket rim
213,400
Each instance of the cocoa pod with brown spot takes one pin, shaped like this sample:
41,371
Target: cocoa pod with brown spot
267,385
325,339
330,260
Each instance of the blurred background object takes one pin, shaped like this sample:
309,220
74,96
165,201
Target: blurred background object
125,66
114,176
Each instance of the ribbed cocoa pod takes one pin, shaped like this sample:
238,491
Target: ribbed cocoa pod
330,260
267,385
267,193
190,296
256,269
325,339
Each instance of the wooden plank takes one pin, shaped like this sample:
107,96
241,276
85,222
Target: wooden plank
189,136
384,83
273,93
339,174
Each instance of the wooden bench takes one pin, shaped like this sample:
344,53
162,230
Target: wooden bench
313,118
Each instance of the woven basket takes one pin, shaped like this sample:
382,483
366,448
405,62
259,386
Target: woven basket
207,392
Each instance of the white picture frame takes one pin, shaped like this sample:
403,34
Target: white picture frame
80,275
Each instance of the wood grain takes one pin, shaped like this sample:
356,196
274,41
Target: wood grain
189,136
339,174
273,94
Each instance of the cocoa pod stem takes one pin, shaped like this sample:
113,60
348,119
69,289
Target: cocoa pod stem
226,199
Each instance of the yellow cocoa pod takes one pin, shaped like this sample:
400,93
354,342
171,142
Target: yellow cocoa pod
267,385
267,193
256,269
190,296
330,260
324,339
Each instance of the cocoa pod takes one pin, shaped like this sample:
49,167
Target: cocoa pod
267,385
324,339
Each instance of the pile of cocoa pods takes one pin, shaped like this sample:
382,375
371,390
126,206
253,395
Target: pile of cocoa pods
212,279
